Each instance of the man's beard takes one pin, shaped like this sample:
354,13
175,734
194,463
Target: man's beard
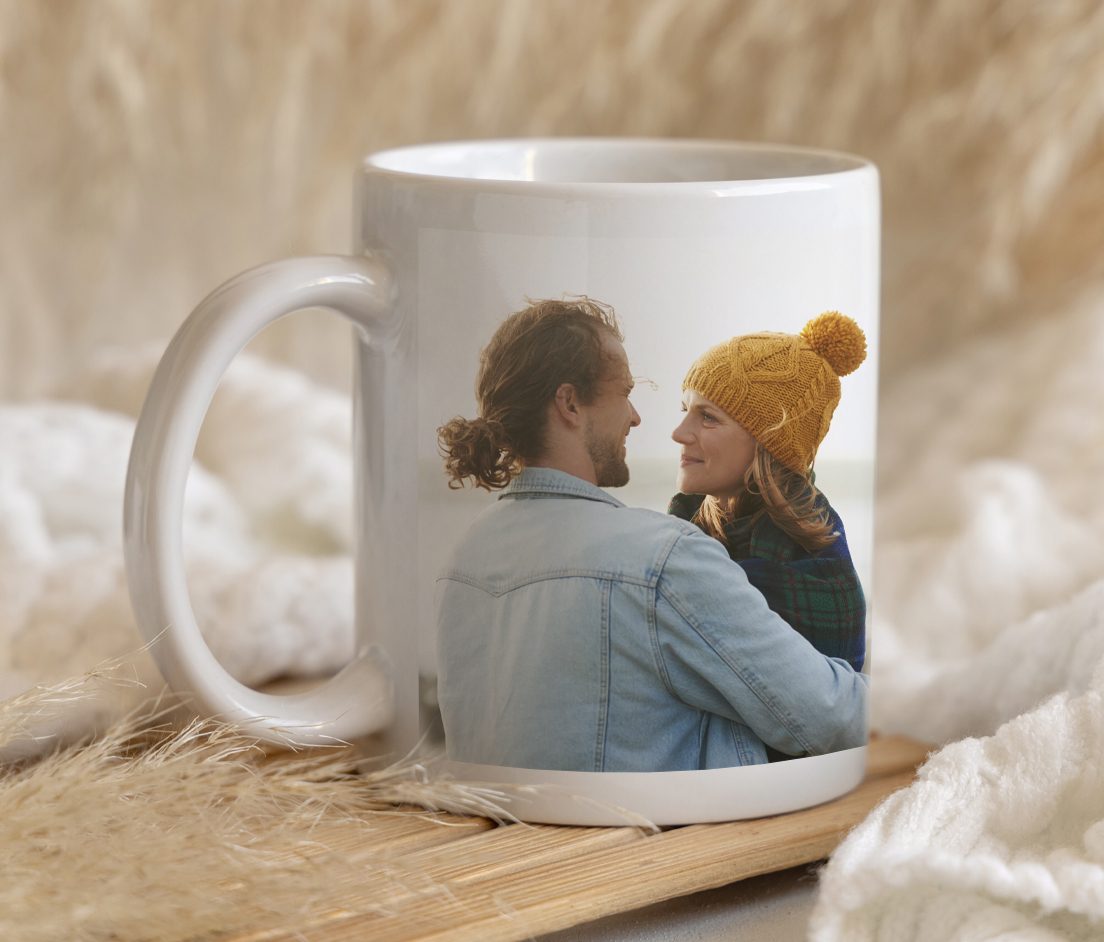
610,468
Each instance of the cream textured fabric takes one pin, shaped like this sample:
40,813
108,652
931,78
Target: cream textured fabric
1000,838
268,555
989,636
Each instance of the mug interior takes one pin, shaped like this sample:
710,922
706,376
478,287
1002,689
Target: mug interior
611,160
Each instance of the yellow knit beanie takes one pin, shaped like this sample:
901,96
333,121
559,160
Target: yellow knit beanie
782,388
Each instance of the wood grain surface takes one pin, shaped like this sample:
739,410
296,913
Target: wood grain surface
468,879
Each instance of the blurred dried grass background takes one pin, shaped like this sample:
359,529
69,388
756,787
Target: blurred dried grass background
152,148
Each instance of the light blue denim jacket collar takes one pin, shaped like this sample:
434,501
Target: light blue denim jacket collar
552,483
548,482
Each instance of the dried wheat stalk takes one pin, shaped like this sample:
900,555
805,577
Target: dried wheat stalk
154,831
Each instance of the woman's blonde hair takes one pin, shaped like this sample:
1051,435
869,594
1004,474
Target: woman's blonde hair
787,497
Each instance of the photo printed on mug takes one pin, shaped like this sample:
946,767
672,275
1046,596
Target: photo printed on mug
580,634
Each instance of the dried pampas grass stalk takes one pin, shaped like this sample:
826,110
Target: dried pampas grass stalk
155,831
23,716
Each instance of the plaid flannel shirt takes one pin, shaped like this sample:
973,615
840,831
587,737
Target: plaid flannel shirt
817,593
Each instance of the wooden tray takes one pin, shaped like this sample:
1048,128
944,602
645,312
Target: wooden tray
512,882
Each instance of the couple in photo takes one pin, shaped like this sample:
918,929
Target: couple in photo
576,633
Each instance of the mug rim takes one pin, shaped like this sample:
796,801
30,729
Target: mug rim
399,164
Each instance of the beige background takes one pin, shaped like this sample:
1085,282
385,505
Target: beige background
151,149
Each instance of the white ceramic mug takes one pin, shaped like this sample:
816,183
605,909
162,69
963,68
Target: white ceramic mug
690,241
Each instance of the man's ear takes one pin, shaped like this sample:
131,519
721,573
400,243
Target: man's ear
566,403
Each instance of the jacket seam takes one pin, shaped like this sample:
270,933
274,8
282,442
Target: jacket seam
569,488
748,677
562,492
653,620
657,654
750,680
738,744
600,575
604,673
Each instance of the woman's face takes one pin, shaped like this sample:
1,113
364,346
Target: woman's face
716,451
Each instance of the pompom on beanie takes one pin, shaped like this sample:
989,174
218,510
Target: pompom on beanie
782,388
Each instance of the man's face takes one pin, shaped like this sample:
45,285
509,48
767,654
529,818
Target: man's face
609,418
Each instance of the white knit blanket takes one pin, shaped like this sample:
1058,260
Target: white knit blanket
989,614
267,556
989,637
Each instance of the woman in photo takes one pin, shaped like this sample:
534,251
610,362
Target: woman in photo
757,408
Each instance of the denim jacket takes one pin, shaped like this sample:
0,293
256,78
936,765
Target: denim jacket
577,633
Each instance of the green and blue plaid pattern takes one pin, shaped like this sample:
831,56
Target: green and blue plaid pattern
819,594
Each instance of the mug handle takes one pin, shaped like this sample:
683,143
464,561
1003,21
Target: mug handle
360,699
